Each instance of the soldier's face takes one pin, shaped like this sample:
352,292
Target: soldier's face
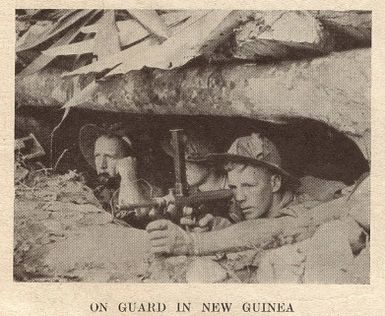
196,174
108,150
252,189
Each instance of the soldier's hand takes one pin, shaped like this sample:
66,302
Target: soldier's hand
219,223
210,222
205,224
187,220
126,168
168,238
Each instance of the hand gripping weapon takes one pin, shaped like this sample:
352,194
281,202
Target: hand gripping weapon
179,195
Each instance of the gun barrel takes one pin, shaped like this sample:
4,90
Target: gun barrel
181,201
203,197
156,202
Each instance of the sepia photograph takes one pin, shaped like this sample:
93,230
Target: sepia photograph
192,146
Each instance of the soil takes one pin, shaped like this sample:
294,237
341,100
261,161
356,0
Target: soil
63,235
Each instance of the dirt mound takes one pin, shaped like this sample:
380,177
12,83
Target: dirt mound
62,234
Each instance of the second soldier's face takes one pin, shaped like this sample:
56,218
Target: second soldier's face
196,174
108,150
252,190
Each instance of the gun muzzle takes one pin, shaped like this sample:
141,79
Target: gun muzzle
199,198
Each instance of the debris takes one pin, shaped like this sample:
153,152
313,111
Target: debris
107,38
70,20
152,22
43,60
20,173
78,48
130,32
34,32
174,52
28,148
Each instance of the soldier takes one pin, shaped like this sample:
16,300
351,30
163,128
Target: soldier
110,152
262,188
204,174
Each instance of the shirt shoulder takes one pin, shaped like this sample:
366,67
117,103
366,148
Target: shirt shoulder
298,206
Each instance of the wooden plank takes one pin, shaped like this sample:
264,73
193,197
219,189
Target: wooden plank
64,23
152,22
192,41
107,37
78,48
136,51
43,60
130,32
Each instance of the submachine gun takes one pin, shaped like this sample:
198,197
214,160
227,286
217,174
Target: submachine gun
179,195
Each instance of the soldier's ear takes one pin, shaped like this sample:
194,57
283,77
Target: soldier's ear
276,182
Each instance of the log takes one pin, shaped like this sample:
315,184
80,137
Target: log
333,89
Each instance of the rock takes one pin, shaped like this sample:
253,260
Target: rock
204,270
358,272
323,258
281,265
328,252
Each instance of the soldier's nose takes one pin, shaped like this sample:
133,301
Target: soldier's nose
239,196
104,163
